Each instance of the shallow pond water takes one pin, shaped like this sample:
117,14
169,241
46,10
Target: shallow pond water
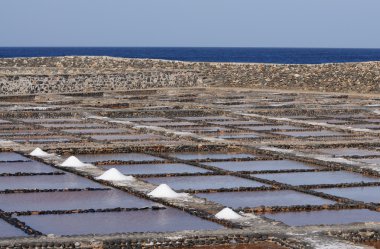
7,230
339,152
323,133
160,168
240,136
171,124
73,125
264,198
46,182
204,182
370,160
136,137
51,120
204,129
70,200
260,165
46,140
168,220
126,157
211,156
12,157
365,194
2,121
25,167
326,217
146,119
272,127
312,178
237,122
95,131
206,118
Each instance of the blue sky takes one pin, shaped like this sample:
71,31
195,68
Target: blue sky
194,23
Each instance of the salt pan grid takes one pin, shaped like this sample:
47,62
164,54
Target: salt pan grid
300,177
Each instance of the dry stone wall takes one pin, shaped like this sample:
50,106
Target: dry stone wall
88,74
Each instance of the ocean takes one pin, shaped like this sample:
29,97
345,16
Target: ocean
243,55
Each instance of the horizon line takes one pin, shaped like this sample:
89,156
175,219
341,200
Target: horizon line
196,47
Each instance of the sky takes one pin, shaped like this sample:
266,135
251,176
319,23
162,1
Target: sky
191,23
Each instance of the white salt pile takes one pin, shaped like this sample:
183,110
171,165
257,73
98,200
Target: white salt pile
114,175
74,162
164,191
227,214
39,153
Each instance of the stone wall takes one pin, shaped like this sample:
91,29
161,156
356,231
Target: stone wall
88,74
65,83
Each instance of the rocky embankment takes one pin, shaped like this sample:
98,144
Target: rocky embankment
90,74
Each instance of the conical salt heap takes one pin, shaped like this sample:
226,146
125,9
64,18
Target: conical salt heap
39,153
228,214
74,163
164,191
114,175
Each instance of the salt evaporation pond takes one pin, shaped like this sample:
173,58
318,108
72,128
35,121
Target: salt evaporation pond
350,152
12,157
46,140
260,165
125,137
126,157
167,220
94,131
370,160
238,122
26,167
211,156
46,182
323,133
7,230
159,168
272,127
325,217
204,182
365,194
207,118
73,125
50,120
264,198
313,178
239,136
70,200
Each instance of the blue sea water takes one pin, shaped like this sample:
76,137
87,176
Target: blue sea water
260,55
